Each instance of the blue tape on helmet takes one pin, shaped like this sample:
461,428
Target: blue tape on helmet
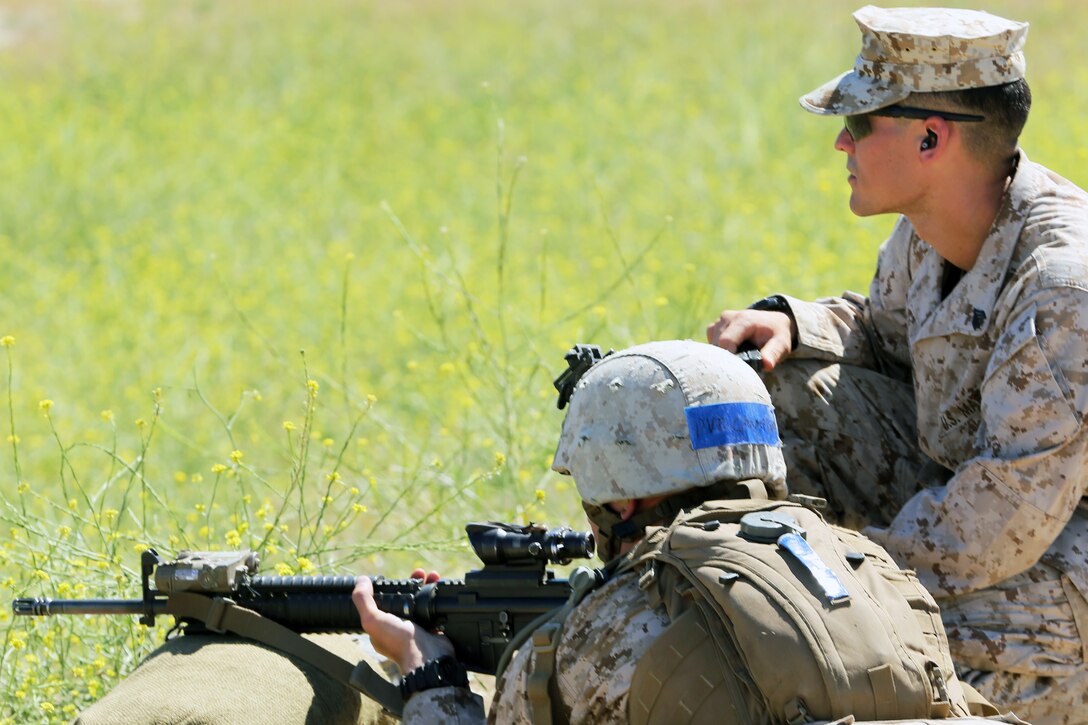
727,424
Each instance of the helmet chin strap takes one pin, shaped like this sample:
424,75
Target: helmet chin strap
614,531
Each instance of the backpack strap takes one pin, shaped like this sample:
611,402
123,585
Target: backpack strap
543,692
978,705
544,696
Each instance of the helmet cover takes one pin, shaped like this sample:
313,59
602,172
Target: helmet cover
665,417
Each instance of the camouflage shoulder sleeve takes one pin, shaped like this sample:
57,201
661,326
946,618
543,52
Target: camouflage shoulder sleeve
1027,479
856,329
444,705
602,641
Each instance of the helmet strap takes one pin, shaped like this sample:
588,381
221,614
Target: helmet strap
613,530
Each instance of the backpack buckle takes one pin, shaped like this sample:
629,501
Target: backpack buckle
796,713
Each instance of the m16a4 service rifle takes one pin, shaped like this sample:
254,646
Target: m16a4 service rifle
481,614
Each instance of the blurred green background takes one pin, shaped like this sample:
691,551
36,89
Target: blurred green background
434,201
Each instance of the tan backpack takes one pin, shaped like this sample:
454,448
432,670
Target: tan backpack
779,617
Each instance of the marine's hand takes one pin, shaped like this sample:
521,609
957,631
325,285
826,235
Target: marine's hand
402,641
771,332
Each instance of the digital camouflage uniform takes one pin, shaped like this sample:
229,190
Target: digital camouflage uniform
626,406
601,644
952,426
602,641
974,473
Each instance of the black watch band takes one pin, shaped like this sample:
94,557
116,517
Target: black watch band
774,303
777,303
442,672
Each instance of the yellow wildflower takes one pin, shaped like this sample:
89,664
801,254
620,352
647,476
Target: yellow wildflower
7,340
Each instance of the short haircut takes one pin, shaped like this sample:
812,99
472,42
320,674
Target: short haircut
1005,108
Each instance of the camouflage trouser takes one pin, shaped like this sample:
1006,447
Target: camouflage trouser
849,436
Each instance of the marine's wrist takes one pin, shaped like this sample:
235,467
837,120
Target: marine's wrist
778,303
444,671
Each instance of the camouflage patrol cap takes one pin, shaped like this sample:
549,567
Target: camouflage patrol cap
665,417
922,50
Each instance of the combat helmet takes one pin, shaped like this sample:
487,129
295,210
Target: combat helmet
666,417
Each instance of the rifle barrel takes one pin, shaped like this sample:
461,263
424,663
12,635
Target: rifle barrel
44,607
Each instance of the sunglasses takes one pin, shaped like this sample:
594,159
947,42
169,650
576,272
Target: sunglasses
860,126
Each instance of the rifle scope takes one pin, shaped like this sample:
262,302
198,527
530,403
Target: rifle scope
497,543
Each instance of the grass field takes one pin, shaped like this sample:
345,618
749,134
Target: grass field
298,276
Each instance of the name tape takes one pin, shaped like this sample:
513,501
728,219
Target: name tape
727,424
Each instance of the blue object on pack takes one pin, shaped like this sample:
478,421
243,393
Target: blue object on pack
829,582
